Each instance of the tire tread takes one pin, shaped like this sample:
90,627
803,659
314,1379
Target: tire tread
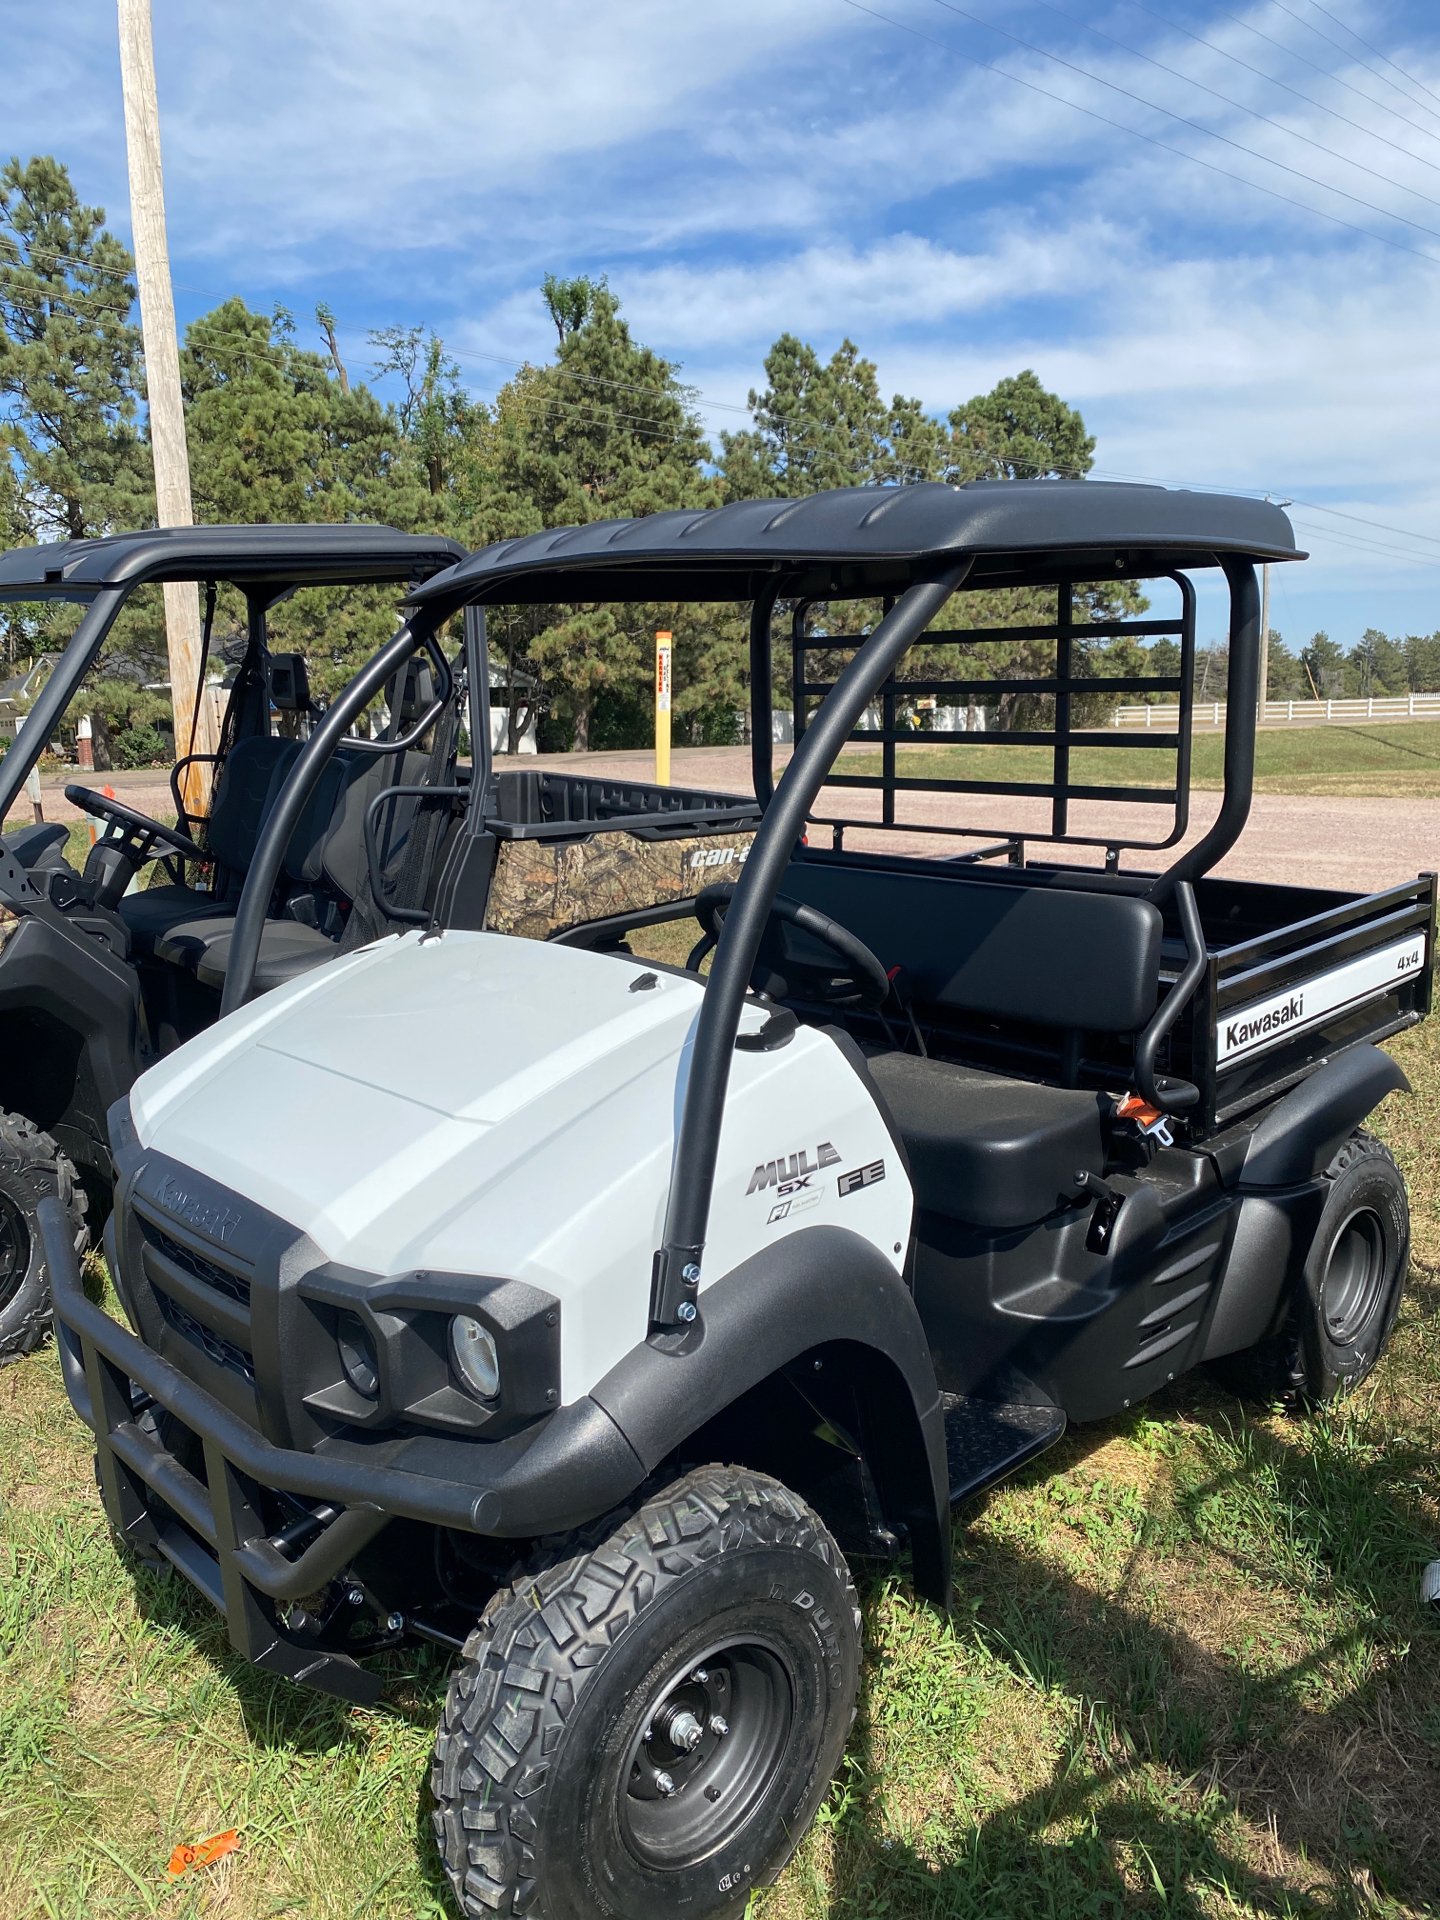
528,1661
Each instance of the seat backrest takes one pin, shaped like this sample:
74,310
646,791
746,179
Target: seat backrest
254,768
1069,958
328,844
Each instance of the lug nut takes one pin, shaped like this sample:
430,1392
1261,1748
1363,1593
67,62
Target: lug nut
649,1735
395,1622
701,1676
686,1732
664,1784
719,1725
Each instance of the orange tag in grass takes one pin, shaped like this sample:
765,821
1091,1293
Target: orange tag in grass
203,1853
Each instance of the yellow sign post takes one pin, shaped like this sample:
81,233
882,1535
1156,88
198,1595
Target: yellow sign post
662,709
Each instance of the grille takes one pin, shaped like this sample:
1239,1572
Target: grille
233,1285
214,1345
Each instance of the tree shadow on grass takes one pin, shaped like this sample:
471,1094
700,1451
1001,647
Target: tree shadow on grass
1194,1772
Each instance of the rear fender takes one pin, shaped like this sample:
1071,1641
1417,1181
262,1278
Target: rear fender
822,1293
1301,1134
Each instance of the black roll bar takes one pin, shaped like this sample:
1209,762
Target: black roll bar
58,691
304,778
1241,693
676,1278
1174,1096
762,747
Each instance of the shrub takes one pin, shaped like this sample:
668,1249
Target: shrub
140,746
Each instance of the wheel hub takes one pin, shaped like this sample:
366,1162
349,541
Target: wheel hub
706,1753
14,1250
1354,1276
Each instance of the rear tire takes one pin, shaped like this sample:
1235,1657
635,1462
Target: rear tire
32,1169
1349,1293
720,1621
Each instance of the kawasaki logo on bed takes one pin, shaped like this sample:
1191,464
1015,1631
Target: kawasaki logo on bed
1263,1021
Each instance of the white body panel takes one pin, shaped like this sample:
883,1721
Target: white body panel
479,1104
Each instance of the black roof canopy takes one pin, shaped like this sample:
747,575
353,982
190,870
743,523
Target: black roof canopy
314,555
858,540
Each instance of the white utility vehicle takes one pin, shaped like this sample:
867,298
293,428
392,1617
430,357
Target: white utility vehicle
496,1286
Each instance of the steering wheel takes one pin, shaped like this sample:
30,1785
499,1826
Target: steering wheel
869,984
138,830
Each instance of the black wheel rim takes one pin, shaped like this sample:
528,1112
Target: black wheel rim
1354,1276
684,1793
14,1250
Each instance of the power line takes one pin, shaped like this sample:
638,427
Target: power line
1180,119
1376,51
1239,106
1032,86
1272,80
1299,21
1292,54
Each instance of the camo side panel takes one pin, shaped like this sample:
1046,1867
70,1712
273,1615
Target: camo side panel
541,887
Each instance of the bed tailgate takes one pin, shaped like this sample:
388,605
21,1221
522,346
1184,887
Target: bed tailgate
1273,1007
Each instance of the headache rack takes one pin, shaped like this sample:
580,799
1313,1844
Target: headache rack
1064,687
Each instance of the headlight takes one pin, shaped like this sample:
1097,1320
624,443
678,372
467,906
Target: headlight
472,1347
357,1354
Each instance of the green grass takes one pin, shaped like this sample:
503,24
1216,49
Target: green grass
1397,762
1188,1674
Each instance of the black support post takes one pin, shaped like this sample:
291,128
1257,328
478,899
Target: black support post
676,1277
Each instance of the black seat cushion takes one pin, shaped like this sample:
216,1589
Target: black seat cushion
151,913
986,1149
287,949
253,771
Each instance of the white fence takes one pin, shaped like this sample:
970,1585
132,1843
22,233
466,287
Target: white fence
1406,706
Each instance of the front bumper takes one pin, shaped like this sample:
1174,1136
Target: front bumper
567,1469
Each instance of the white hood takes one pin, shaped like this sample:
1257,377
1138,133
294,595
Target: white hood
488,1105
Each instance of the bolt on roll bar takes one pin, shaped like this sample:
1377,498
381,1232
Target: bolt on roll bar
676,1276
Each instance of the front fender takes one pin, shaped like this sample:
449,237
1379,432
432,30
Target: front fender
816,1287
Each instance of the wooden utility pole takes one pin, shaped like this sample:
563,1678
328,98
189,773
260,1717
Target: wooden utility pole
162,381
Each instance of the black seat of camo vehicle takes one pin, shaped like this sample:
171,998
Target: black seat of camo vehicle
325,858
985,1148
254,769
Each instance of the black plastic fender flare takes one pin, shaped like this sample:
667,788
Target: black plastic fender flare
820,1286
1302,1133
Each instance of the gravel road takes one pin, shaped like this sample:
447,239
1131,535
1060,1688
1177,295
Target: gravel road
1354,845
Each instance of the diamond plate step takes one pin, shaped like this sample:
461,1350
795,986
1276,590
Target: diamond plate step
986,1439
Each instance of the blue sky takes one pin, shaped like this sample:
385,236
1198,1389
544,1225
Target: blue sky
740,167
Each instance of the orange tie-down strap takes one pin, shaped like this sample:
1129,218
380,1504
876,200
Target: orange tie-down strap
202,1853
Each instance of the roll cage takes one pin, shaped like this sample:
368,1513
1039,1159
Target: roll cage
264,562
914,547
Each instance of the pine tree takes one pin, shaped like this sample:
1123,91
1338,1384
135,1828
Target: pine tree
1324,666
1018,431
70,361
605,431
